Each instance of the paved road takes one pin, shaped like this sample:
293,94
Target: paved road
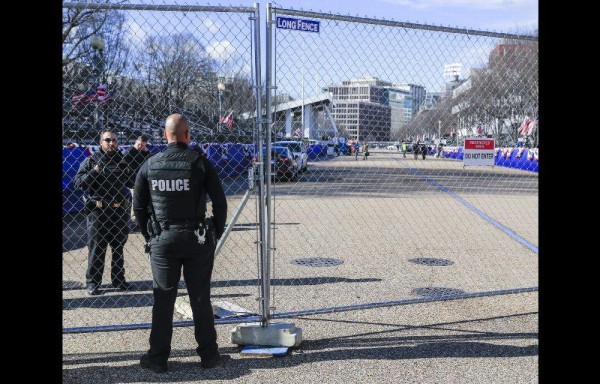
393,229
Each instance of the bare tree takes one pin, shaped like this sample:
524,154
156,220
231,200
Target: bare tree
176,71
505,91
79,25
80,60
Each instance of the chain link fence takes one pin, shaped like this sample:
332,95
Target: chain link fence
407,223
126,67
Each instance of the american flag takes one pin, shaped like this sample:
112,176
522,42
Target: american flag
98,94
227,120
532,126
298,132
479,130
102,95
528,125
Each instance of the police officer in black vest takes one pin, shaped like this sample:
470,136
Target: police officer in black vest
105,179
169,202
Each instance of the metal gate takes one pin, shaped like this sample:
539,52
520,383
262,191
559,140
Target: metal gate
323,228
413,221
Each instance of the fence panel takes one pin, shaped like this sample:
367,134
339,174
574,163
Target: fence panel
349,231
126,67
400,225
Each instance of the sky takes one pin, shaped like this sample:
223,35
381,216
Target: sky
509,16
307,62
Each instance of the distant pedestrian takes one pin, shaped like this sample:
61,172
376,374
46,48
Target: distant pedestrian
424,151
356,150
415,148
404,149
365,151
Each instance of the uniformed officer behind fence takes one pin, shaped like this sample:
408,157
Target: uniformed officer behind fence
169,202
104,178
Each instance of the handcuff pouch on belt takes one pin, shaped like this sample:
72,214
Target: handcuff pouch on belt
206,232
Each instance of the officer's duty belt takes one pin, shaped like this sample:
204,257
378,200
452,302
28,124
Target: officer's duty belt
103,204
191,225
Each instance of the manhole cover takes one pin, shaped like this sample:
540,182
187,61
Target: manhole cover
436,291
69,284
317,262
431,261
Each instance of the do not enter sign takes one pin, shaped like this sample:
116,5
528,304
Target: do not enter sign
478,151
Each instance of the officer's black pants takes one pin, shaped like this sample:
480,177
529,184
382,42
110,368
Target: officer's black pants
107,226
169,252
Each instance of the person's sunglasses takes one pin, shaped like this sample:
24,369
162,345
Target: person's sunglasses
110,140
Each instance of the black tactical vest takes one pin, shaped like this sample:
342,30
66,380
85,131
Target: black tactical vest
174,189
110,183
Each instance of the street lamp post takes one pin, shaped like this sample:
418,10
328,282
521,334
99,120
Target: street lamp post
97,44
221,88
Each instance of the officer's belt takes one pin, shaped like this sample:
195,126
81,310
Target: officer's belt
179,224
104,204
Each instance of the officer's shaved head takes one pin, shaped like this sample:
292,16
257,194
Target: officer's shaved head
177,129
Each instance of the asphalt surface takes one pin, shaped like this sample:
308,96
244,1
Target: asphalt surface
389,229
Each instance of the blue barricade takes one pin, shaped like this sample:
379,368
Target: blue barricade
71,198
229,159
519,158
316,150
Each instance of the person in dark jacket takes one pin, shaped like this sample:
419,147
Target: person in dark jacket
137,154
169,202
134,158
416,147
105,179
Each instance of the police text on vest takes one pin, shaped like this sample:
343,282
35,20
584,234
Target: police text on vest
171,185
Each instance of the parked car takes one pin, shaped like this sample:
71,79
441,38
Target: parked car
299,150
284,165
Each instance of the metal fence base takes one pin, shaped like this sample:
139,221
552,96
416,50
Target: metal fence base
274,334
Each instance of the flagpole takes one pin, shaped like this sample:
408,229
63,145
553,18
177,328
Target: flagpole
221,88
303,60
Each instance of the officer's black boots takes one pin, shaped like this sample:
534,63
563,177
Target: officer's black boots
122,286
210,363
92,290
154,367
